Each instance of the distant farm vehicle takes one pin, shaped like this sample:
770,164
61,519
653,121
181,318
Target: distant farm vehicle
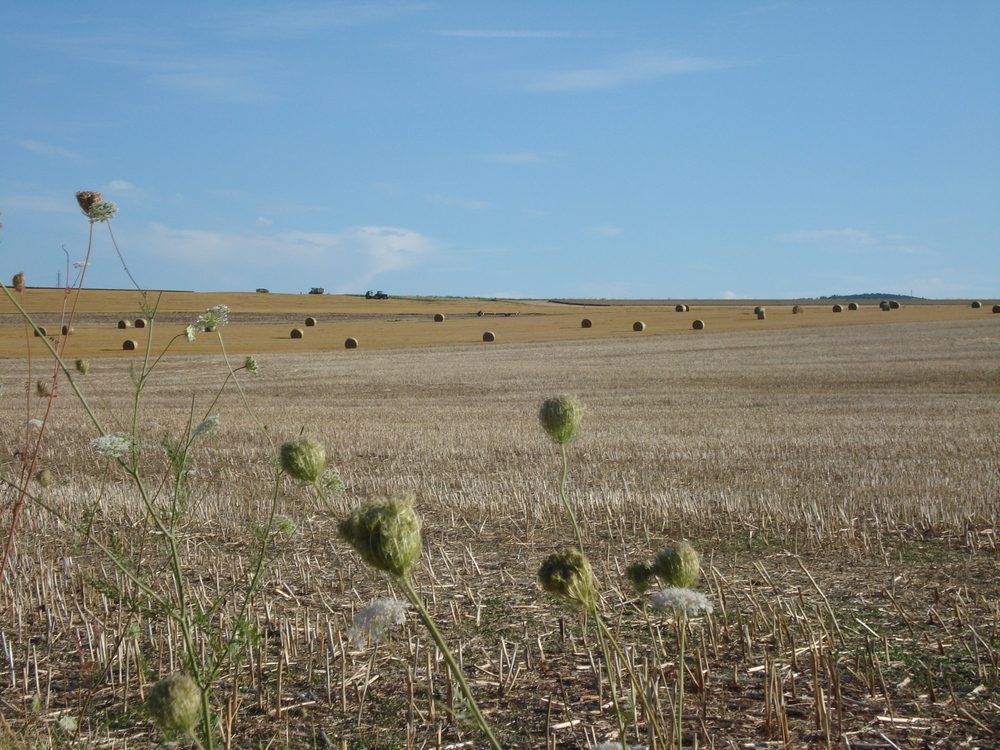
316,290
262,290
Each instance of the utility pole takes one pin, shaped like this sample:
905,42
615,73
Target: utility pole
58,279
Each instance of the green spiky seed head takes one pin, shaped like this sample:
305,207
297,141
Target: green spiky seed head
174,703
82,366
677,566
303,458
568,575
386,533
639,575
44,477
560,417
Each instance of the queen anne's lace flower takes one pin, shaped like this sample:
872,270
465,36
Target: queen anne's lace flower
371,623
205,427
112,446
189,333
250,364
692,602
213,317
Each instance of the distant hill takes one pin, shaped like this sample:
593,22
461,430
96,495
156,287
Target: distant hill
871,295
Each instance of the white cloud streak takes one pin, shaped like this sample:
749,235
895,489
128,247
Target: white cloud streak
45,148
624,70
605,230
355,256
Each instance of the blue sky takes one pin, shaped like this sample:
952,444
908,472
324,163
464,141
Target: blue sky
522,149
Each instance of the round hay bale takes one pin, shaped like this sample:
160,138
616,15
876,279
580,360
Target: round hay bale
976,305
679,308
586,323
123,324
489,336
638,326
687,308
438,318
698,324
893,304
351,343
883,305
310,321
41,332
140,323
129,345
67,330
796,309
996,308
296,333
852,306
756,310
838,308
761,313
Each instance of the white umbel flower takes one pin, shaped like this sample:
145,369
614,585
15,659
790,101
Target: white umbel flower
372,622
112,446
692,602
213,317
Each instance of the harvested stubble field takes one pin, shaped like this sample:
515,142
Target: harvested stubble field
840,482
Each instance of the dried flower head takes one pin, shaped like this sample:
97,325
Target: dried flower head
88,199
250,364
677,565
560,417
213,318
18,282
303,458
82,366
116,445
639,575
568,575
373,622
44,477
174,703
43,388
386,533
691,602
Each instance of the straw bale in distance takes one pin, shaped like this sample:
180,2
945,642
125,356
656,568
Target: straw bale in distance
996,308
756,310
761,313
883,305
129,345
438,318
489,336
67,330
42,332
796,309
976,305
638,326
140,323
310,321
852,306
893,304
679,308
123,324
698,324
586,323
351,343
838,308
296,333
687,308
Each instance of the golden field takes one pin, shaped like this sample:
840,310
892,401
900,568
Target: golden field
838,473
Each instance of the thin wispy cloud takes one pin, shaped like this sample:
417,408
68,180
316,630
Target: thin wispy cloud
624,70
522,157
300,21
45,148
120,185
354,257
511,34
813,235
446,201
605,230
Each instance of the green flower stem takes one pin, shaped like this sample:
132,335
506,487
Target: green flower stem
425,617
682,640
565,500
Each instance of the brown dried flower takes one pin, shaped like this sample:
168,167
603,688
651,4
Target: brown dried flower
18,282
88,199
